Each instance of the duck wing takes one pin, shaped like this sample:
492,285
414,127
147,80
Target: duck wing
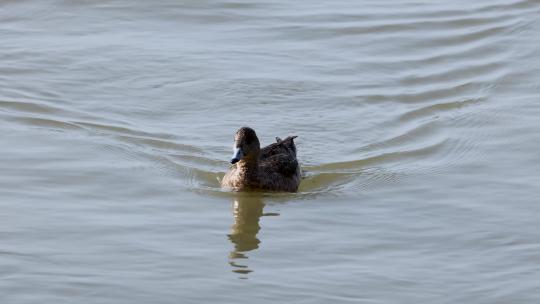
285,164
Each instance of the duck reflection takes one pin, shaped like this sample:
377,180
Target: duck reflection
247,212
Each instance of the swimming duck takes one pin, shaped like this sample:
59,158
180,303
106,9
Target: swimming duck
272,168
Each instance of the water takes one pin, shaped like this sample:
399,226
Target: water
418,134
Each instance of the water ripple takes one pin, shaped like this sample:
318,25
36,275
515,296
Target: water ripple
442,62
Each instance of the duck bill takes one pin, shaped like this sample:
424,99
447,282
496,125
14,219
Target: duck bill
237,155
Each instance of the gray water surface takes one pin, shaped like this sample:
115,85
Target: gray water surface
418,132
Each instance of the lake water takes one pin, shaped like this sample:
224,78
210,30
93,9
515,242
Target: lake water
418,128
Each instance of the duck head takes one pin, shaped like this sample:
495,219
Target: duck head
246,145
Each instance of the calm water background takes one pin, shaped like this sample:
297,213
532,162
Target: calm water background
419,134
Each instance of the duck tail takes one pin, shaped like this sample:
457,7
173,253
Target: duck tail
289,143
279,140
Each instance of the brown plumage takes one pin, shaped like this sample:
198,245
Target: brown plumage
272,168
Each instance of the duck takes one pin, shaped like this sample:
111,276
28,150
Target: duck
273,168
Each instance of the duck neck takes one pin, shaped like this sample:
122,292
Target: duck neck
249,167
